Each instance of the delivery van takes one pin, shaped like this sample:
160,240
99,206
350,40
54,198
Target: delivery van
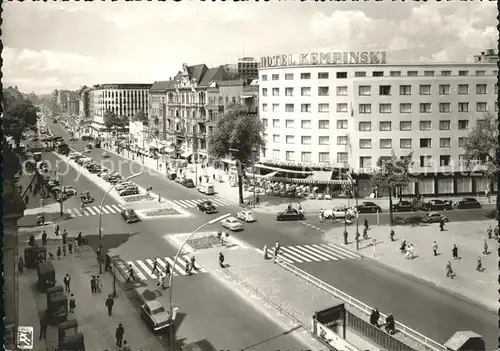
207,189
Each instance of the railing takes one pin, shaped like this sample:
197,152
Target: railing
351,301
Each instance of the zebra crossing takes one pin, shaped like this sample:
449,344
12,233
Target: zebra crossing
194,202
314,253
143,268
94,210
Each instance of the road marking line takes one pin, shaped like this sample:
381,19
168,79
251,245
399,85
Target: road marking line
196,264
70,211
136,271
115,208
163,265
94,209
181,203
316,253
182,263
86,212
336,252
193,203
290,251
323,252
290,256
312,253
145,268
105,210
301,250
177,268
345,251
284,256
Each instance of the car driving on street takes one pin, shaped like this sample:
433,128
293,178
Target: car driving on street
434,205
290,215
232,223
403,206
434,217
188,183
155,315
246,216
129,191
130,216
368,207
468,202
86,198
207,207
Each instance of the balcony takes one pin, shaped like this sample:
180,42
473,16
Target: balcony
218,108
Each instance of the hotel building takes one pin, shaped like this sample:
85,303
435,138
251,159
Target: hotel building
344,111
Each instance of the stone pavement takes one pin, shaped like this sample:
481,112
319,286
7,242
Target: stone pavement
93,320
480,287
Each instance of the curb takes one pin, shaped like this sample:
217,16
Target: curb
46,224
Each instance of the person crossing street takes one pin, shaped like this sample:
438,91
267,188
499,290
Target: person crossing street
276,250
435,248
155,267
44,238
193,263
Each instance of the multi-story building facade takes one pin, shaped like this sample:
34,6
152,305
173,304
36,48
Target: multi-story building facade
83,98
345,111
62,100
246,69
73,103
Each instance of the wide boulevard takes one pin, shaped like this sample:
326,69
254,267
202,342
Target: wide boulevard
434,312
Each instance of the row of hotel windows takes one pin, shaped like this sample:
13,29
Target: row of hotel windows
424,107
122,93
384,90
343,75
366,126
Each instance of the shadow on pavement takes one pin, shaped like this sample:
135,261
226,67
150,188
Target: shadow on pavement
50,218
250,347
108,241
203,344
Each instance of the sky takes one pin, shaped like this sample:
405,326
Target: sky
57,45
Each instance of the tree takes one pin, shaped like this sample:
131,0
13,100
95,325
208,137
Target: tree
393,174
123,121
19,115
140,116
110,119
240,135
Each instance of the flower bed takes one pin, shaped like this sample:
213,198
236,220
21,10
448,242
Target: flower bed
138,197
206,242
162,212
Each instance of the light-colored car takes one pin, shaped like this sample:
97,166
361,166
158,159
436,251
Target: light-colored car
104,154
155,315
340,212
69,190
232,223
123,186
74,155
434,217
246,216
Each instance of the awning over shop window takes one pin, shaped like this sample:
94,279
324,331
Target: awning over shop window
186,154
309,181
258,165
246,96
320,176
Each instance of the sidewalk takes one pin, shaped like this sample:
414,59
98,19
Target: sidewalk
480,287
93,320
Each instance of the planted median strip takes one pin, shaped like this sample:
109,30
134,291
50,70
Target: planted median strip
166,211
140,197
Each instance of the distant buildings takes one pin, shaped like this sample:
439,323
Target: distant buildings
84,102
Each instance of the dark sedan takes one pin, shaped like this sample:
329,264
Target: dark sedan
368,207
435,205
290,215
403,206
188,183
130,216
468,202
207,207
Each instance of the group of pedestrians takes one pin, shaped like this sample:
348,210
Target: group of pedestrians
390,323
68,245
276,251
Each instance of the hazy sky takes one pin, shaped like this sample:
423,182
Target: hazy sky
66,45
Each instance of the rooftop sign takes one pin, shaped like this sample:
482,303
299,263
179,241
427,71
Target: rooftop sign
324,58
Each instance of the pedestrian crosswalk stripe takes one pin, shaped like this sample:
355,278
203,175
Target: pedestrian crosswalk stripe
303,254
190,203
116,207
94,210
321,253
345,251
196,265
143,269
292,256
314,253
137,272
105,210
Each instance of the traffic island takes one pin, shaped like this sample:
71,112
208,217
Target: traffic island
204,241
137,198
162,212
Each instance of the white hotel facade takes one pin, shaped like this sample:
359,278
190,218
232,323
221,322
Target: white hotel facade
333,112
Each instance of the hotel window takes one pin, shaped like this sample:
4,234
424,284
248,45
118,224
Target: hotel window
395,73
444,89
290,155
412,73
378,74
463,107
385,126
444,125
264,91
444,142
342,91
365,108
342,140
359,74
461,142
290,139
365,90
428,73
289,107
365,143
305,108
365,162
342,157
305,124
276,154
264,121
342,107
341,75
405,108
305,76
288,91
342,124
289,123
305,156
481,106
305,91
425,143
264,107
322,75
405,143
276,123
305,140
425,90
276,107
276,138
462,160
384,90
324,140
425,107
444,107
288,76
365,126
463,89
384,108
276,91
405,90
264,77
425,161
275,77
324,157
446,73
463,73
480,89
323,91
386,143
323,124
425,125
480,73
444,160
323,108
463,124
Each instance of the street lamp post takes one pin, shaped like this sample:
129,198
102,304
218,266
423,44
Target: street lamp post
100,214
171,279
62,193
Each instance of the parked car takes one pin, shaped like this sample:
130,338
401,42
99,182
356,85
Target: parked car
339,212
246,216
74,155
434,217
155,315
207,207
403,206
468,202
368,207
130,216
69,190
52,183
188,183
290,215
123,186
232,223
434,205
448,205
129,191
115,179
104,154
89,146
86,198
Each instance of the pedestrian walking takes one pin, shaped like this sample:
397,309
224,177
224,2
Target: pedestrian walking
26,199
70,247
485,251
98,284
345,237
119,335
58,253
441,225
130,273
496,232
489,231
67,281
221,260
56,230
64,249
42,202
449,270
43,327
77,246
161,281
265,252
92,285
44,238
20,265
454,252
408,253
257,199
155,267
109,304
276,250
193,263
374,317
435,248
479,266
321,215
167,269
72,303
187,267
487,195
64,236
159,198
391,234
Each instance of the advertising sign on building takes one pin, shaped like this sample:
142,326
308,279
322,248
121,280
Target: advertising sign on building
324,58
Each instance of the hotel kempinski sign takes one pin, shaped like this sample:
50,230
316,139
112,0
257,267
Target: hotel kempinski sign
324,58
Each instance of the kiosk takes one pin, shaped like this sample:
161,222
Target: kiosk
57,309
46,276
465,341
56,291
34,255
